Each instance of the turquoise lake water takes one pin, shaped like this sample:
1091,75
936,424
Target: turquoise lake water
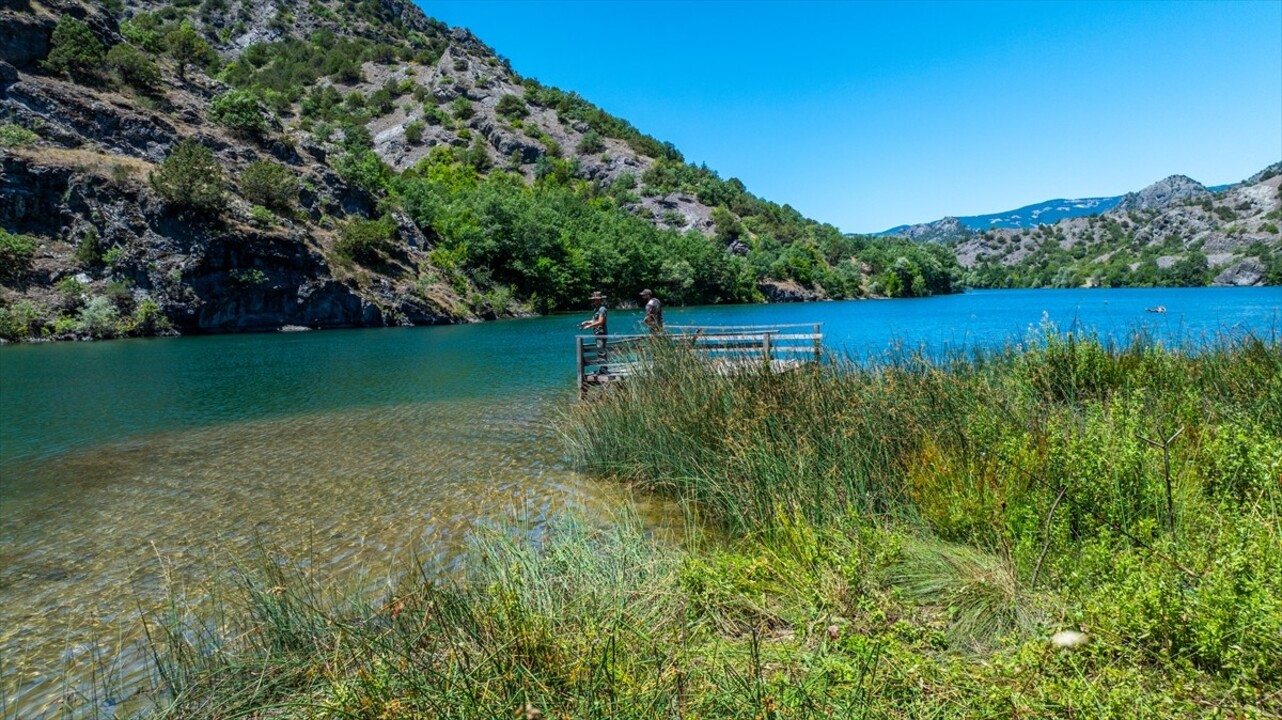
129,467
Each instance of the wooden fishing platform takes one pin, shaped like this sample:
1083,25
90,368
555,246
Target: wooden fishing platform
729,349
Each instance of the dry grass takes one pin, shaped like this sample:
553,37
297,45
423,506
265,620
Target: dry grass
89,160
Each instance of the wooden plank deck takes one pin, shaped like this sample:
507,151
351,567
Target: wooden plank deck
730,349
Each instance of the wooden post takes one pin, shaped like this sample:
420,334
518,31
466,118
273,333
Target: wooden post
765,347
578,352
818,342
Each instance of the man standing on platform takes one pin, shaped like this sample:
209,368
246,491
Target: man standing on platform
597,325
653,311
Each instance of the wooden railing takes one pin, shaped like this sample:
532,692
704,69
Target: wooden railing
730,348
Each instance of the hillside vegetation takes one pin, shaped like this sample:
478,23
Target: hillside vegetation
1173,233
223,165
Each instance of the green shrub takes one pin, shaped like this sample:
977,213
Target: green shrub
144,30
133,67
88,250
270,185
19,321
99,317
414,132
187,47
238,110
364,169
191,178
477,156
72,290
591,143
16,254
74,50
356,137
380,103
462,108
433,115
366,241
512,107
119,292
16,136
261,216
247,278
114,256
1240,461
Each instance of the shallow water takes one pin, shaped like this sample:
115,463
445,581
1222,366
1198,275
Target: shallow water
128,468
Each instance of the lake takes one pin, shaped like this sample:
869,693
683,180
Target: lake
134,468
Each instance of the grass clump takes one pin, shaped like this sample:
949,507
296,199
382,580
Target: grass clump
1025,488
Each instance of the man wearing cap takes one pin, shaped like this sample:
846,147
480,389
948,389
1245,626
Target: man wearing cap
597,324
653,311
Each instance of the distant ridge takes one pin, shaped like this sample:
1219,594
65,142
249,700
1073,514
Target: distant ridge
1048,212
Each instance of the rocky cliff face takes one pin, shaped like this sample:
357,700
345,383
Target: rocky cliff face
76,153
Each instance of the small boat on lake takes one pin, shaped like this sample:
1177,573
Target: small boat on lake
1157,309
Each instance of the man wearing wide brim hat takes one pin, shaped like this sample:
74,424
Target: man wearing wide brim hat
597,325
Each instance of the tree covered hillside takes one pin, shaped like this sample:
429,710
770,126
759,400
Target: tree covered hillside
223,165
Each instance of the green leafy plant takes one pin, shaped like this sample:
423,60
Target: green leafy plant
74,50
591,143
19,320
99,318
270,185
512,107
187,47
238,110
147,319
16,136
191,178
414,132
16,254
462,108
364,169
246,278
88,250
261,216
133,67
366,241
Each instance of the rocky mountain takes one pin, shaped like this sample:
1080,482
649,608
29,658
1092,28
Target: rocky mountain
951,229
945,230
230,165
1173,232
1176,189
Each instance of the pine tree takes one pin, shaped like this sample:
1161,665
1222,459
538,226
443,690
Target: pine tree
187,47
191,178
74,49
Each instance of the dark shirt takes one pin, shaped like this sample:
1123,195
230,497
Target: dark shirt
654,309
599,313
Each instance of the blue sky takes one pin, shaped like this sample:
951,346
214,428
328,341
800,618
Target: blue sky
867,115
